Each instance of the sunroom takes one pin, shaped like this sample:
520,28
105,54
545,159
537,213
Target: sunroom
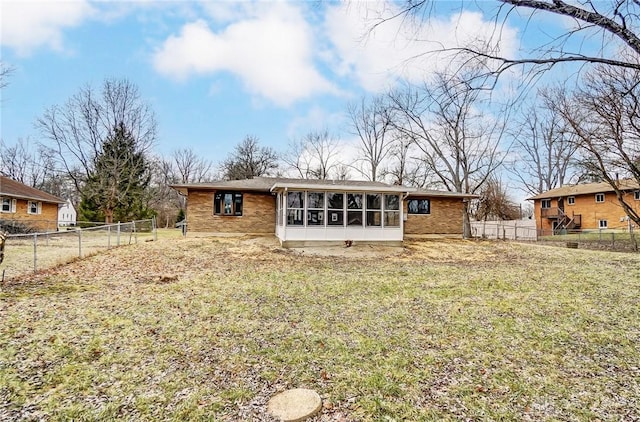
364,212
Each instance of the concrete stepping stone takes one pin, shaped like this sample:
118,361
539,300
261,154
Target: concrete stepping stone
294,405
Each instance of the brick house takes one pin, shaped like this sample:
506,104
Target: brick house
591,206
301,211
23,205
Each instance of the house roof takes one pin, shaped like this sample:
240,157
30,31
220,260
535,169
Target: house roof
586,189
15,189
268,184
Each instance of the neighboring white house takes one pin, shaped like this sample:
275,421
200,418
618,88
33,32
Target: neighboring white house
67,214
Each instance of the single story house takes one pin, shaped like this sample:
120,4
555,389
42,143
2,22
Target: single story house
23,205
590,206
302,211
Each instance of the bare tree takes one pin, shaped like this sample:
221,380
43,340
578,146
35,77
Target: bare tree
20,162
614,24
605,117
249,160
371,122
314,156
190,167
495,203
5,72
544,146
77,130
459,144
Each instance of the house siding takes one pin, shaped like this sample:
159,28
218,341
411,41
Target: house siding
47,220
590,210
445,217
258,214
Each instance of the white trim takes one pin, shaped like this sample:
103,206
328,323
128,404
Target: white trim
341,188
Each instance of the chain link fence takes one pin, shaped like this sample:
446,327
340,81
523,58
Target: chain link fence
613,240
31,252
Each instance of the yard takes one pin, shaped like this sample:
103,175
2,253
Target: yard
210,329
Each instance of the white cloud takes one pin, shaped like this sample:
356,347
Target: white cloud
29,24
378,57
271,51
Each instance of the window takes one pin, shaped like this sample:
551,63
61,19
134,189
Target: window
419,206
8,205
571,200
295,208
392,211
315,212
374,209
636,195
545,204
227,203
335,209
599,197
354,209
602,224
34,207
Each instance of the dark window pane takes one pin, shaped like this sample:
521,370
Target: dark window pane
354,201
217,200
315,218
391,202
354,218
335,201
419,206
316,200
373,201
295,218
295,200
238,204
336,218
374,218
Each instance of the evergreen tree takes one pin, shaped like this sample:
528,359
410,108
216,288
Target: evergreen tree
116,187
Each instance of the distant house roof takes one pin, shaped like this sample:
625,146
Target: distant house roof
15,189
585,189
268,184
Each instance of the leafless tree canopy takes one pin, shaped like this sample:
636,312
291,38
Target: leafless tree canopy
495,203
314,156
544,146
615,23
249,160
371,122
604,114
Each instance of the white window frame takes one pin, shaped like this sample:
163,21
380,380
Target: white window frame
11,202
599,195
38,207
571,200
603,224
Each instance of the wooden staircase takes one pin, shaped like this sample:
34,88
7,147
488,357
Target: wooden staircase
566,222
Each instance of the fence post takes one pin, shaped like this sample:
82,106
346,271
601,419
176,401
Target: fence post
135,232
35,252
155,228
79,243
109,238
118,235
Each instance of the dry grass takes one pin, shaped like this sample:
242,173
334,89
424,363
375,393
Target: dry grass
209,329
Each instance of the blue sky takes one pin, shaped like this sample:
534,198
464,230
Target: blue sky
216,71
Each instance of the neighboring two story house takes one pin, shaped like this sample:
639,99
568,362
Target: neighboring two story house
23,205
592,206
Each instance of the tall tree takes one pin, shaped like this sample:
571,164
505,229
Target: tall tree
76,131
314,156
604,115
460,145
370,121
248,159
544,146
116,187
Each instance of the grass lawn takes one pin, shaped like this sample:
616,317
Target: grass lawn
210,329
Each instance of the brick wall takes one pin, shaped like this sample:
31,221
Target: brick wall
258,214
592,212
445,217
47,220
